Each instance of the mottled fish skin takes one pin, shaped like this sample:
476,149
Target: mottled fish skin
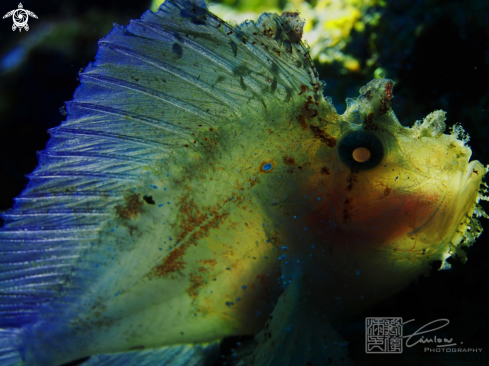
199,174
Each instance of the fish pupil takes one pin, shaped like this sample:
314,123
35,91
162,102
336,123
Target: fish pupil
361,150
361,154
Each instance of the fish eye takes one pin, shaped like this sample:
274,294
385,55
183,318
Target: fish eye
361,150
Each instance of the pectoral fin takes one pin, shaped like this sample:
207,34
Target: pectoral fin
184,355
293,336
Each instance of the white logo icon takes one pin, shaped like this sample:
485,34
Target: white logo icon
383,335
20,17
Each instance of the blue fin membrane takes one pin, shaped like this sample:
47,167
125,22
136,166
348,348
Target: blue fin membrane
293,336
186,355
9,347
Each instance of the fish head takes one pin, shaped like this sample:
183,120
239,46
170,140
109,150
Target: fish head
381,201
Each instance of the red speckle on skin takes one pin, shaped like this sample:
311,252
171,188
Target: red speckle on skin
291,18
253,181
307,113
288,160
388,90
303,121
173,262
290,14
132,208
322,135
316,86
369,120
210,262
268,31
304,88
194,225
196,282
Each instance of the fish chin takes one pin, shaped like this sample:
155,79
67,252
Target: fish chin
453,225
448,194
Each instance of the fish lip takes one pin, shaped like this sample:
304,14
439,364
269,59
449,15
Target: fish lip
471,185
460,207
475,172
480,171
471,182
466,207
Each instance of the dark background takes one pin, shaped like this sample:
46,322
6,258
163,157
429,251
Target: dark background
437,52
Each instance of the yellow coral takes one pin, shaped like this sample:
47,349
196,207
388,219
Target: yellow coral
352,64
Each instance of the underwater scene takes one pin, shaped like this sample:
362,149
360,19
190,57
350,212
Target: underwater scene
266,183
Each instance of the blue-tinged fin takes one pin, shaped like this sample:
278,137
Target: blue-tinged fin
9,347
295,335
185,355
80,247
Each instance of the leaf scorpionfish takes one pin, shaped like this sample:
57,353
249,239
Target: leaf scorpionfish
203,187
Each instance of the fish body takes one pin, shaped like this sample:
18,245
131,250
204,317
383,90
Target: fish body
202,187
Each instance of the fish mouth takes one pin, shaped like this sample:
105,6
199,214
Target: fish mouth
452,222
469,198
